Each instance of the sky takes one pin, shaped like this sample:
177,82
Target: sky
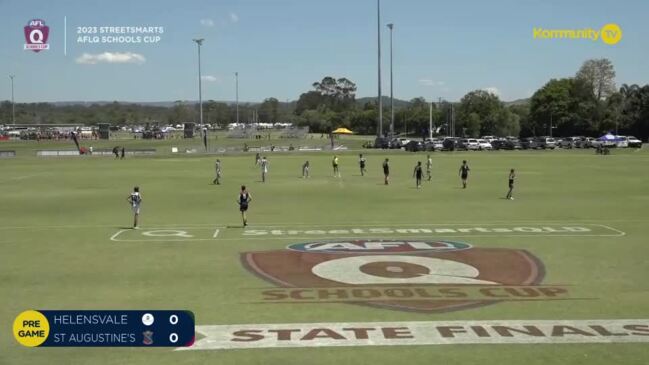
441,49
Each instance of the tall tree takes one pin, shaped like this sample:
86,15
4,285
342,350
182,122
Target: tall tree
599,75
269,111
481,112
551,105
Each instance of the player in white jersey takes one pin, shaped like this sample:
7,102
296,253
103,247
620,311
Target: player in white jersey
217,166
135,199
264,168
429,168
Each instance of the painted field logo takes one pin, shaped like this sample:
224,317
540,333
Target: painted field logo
36,35
426,276
379,246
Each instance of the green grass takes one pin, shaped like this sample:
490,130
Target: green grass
58,214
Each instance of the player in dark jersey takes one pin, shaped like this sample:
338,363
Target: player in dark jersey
464,173
418,174
305,170
361,163
244,199
123,153
512,178
135,199
386,171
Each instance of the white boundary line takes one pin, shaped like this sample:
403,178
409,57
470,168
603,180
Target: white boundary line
115,236
287,224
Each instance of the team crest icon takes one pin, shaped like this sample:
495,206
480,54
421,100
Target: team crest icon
423,276
36,35
148,338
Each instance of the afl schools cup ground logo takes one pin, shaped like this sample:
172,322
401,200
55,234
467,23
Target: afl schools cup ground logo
412,275
36,34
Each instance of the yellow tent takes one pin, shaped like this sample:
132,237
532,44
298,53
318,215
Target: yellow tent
342,130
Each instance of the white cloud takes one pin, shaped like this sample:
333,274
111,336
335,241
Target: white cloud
430,82
210,78
234,18
111,57
492,90
207,22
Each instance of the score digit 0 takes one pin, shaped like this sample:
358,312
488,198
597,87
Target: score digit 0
173,338
173,319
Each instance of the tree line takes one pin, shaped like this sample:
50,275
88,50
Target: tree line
589,103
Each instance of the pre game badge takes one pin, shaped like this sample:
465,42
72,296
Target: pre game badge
31,328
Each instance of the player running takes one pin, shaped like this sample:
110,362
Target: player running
334,163
305,170
135,199
429,168
512,178
217,166
464,173
264,168
244,199
386,171
417,174
361,163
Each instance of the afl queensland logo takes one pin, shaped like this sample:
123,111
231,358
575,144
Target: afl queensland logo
379,246
36,35
412,275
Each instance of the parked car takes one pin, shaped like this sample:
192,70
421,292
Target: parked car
453,144
506,144
471,144
414,146
634,142
484,144
489,138
529,143
568,142
449,144
381,142
434,144
585,142
622,142
513,144
547,143
399,142
498,144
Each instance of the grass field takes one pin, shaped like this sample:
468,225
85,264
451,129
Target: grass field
58,215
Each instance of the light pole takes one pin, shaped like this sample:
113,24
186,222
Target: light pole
391,26
13,105
379,130
550,123
430,120
236,77
199,43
